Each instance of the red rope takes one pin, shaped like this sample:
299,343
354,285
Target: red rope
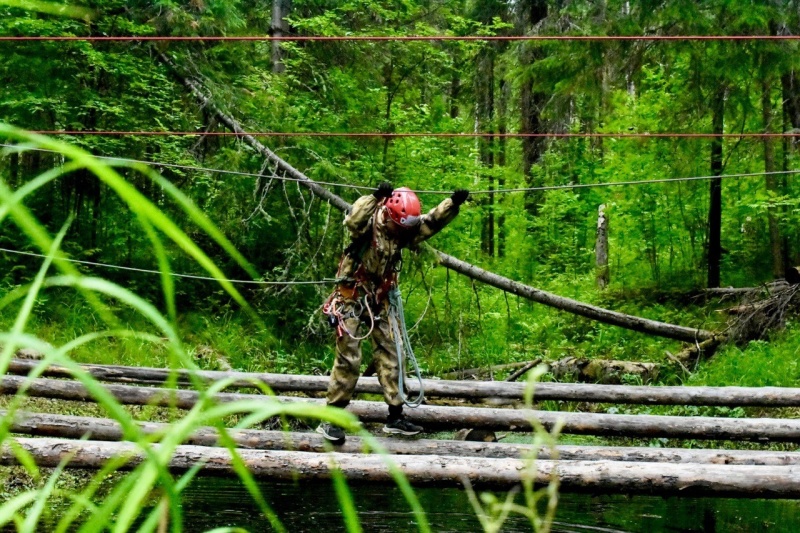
442,135
408,38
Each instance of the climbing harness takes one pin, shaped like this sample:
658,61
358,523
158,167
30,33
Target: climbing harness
403,346
333,308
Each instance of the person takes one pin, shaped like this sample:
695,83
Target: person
381,224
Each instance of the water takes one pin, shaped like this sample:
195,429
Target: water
214,502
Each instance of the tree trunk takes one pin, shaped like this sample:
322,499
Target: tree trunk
566,392
474,373
790,83
105,429
601,248
767,288
771,182
715,192
532,104
280,8
455,92
502,128
790,89
602,370
524,370
606,316
436,417
434,470
484,90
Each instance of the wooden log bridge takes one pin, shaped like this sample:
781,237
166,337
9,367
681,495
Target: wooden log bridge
571,392
433,470
105,429
440,417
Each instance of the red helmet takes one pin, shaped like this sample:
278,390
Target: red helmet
404,207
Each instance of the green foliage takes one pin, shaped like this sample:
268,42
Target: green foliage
770,363
244,227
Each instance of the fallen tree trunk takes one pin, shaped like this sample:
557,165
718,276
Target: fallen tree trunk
482,371
602,370
434,470
736,291
524,370
105,429
569,392
438,417
642,325
695,351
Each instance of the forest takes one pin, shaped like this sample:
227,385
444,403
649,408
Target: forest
638,158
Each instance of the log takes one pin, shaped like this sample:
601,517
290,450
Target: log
606,316
693,352
738,291
592,312
438,417
434,470
568,392
524,370
474,372
602,370
105,429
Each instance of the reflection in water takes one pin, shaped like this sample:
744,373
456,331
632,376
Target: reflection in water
217,502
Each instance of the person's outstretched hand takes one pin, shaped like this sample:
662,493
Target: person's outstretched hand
385,190
459,196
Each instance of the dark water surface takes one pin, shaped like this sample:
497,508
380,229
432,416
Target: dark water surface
215,502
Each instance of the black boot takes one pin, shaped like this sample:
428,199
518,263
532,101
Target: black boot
331,432
396,424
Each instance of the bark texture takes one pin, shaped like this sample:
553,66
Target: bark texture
438,417
602,370
569,392
104,429
434,470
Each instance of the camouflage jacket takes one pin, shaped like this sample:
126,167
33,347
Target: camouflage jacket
374,257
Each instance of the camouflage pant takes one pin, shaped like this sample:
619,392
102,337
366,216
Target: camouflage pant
346,367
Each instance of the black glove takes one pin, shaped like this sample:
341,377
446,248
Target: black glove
385,190
460,196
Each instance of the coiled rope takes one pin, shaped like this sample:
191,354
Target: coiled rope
402,343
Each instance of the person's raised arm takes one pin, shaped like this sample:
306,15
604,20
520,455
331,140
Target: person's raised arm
357,220
437,218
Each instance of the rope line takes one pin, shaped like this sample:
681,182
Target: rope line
641,182
405,354
488,191
190,276
464,135
323,38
